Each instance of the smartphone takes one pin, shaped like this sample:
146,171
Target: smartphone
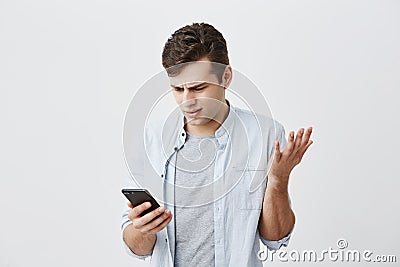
139,196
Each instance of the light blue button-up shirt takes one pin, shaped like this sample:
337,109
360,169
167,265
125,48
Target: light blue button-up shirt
245,146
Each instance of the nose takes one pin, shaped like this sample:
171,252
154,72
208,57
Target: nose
188,97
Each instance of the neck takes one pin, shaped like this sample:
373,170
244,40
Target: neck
212,126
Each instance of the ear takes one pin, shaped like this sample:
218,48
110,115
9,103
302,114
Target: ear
227,77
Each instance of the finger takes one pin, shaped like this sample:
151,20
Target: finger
310,142
277,153
148,227
130,205
161,226
306,137
290,144
299,136
136,211
151,215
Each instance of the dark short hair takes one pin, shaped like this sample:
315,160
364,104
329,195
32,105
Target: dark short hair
193,42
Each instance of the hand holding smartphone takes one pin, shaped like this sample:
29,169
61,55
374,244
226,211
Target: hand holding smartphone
140,196
146,219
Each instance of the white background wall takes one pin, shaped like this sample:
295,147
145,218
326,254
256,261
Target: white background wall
68,70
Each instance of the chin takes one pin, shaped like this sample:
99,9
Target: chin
197,121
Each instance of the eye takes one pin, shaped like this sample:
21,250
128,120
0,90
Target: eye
177,89
199,89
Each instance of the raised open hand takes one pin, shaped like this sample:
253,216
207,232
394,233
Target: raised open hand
284,162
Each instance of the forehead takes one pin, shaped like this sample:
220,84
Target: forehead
195,72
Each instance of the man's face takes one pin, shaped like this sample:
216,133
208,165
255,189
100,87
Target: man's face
198,93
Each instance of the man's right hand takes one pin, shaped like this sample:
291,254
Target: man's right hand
140,235
145,224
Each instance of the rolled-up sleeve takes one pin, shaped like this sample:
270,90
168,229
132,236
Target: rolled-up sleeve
277,244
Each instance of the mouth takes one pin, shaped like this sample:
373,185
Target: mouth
192,113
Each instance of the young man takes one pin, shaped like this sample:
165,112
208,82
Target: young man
216,218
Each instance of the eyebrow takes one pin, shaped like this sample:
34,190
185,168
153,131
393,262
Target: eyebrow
191,87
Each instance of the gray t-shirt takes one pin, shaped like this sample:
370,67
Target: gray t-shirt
195,225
